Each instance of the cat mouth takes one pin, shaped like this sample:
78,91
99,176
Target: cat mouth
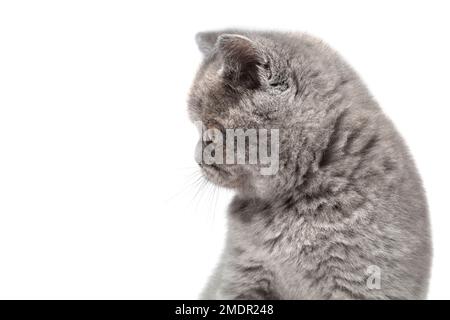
215,168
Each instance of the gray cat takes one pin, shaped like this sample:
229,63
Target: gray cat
345,215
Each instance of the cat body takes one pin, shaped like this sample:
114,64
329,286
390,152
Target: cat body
345,215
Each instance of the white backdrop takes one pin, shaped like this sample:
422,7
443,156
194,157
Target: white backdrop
97,174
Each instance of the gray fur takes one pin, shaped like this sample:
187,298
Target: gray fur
347,195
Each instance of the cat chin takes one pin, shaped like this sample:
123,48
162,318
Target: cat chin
218,176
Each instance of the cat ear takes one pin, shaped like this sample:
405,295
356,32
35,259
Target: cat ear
206,41
241,60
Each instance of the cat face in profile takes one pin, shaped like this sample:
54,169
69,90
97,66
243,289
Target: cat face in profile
241,85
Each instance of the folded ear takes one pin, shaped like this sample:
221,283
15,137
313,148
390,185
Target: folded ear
241,60
206,41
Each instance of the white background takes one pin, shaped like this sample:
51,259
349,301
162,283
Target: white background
97,175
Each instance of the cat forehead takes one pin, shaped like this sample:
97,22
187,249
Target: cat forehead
209,96
208,80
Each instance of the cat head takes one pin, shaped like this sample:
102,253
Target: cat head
245,84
